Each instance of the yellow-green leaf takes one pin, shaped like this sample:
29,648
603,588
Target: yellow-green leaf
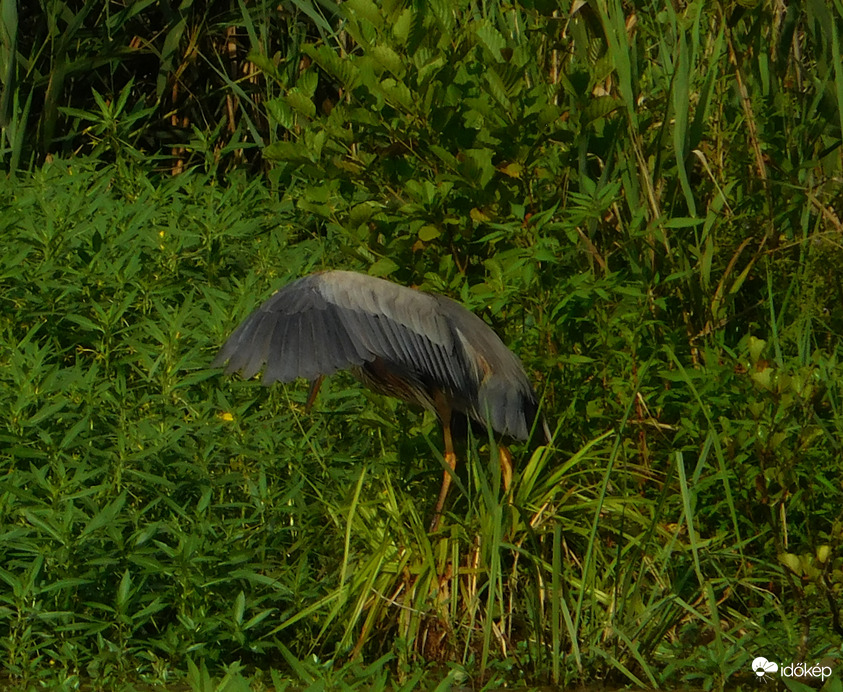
428,233
383,267
512,169
478,215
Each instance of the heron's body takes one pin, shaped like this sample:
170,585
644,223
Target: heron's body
420,347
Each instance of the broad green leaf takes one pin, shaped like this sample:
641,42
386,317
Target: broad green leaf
301,103
491,38
293,152
383,267
428,233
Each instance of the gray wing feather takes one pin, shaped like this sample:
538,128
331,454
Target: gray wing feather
411,310
259,335
369,328
429,361
318,334
401,341
345,341
283,340
287,343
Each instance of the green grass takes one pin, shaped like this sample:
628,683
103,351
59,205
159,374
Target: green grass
156,514
644,203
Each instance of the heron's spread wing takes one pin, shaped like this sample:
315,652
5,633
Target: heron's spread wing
327,322
337,320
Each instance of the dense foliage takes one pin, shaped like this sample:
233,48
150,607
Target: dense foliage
643,200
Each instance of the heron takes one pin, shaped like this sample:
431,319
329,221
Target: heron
419,347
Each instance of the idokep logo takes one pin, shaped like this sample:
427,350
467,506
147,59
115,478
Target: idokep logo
762,668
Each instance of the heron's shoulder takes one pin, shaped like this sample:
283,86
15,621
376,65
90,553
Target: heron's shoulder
418,314
371,294
340,281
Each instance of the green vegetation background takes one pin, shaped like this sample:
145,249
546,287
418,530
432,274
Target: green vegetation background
642,198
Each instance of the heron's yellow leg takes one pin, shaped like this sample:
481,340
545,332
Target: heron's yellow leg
506,466
451,460
314,390
444,410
